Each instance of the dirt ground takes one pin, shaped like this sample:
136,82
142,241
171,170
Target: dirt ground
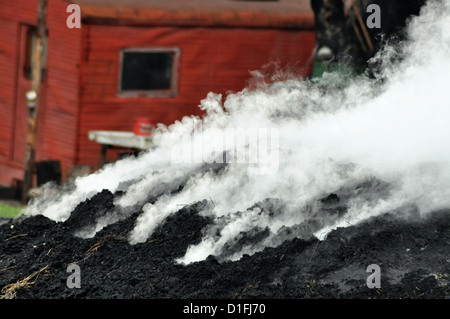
35,252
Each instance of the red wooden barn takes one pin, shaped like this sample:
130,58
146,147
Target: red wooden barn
134,58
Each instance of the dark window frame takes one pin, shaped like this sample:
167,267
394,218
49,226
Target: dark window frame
171,92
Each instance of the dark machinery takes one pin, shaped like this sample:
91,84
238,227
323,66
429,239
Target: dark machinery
344,38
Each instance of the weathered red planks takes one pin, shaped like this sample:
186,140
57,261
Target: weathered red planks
211,59
220,43
58,112
294,14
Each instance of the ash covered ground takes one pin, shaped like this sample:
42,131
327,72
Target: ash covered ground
413,255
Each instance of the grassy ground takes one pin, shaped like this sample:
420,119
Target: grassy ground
10,211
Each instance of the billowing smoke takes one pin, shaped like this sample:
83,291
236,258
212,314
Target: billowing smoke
295,158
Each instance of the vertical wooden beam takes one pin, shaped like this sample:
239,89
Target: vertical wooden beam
39,49
363,26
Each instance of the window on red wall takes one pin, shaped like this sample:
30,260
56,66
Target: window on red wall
28,63
148,72
29,49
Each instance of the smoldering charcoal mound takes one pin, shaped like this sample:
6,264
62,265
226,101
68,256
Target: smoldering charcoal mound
411,253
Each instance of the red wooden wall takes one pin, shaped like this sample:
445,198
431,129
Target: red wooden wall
211,59
58,112
79,92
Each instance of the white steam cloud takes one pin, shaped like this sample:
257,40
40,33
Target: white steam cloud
382,147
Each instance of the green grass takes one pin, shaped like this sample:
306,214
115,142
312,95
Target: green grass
7,211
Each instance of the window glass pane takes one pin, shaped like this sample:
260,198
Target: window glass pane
28,63
144,71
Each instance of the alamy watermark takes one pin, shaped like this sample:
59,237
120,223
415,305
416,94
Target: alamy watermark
74,279
256,147
74,19
374,280
374,19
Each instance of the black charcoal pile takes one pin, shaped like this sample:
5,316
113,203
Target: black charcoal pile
35,252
